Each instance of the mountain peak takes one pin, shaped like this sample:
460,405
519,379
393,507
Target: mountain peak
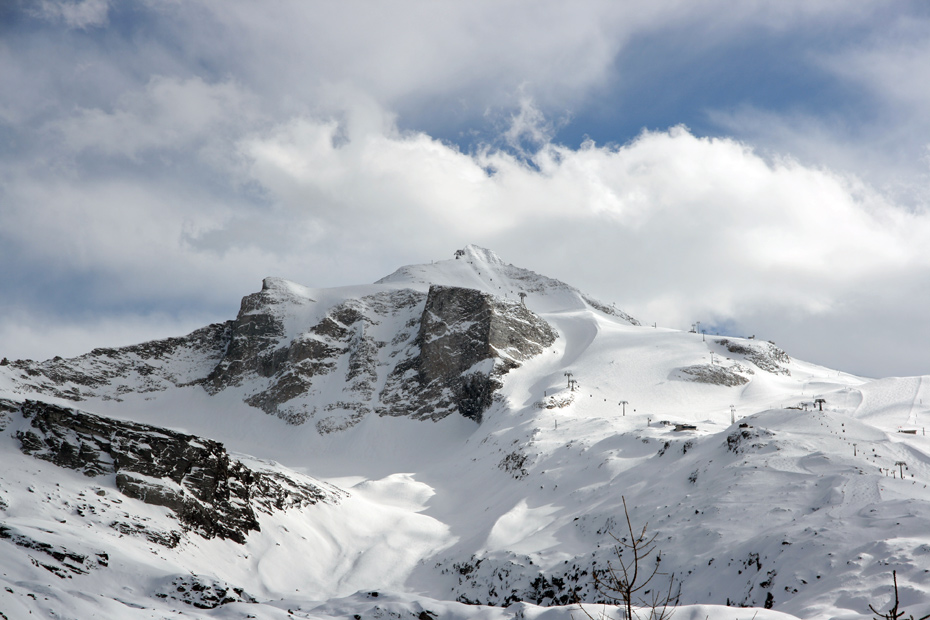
460,270
482,269
284,288
479,254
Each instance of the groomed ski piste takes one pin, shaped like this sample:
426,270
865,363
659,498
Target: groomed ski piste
763,505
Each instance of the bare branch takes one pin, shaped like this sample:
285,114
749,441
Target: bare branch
623,580
893,613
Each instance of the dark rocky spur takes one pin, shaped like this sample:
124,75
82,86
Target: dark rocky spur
211,494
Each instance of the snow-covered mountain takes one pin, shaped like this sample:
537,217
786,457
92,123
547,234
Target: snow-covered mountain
455,436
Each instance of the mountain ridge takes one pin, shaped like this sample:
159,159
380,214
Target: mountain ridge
495,475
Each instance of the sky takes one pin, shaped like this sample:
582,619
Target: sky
761,167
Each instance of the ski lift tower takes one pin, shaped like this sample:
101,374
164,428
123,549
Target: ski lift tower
901,465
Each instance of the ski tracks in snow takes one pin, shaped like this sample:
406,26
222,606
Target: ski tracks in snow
579,329
858,493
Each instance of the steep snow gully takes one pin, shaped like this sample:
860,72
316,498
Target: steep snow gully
453,441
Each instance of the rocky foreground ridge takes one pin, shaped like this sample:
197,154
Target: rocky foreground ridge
210,493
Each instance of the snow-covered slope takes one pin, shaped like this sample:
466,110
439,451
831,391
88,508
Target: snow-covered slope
460,465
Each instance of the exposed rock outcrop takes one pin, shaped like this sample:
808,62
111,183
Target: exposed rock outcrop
211,494
60,561
765,355
708,373
285,369
201,591
468,340
256,343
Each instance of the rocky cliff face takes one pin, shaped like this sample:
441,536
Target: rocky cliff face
764,355
394,353
291,362
211,494
468,340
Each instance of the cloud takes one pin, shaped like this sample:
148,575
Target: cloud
419,51
81,14
459,58
889,68
877,128
168,113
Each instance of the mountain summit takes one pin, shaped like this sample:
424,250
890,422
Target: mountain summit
481,269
